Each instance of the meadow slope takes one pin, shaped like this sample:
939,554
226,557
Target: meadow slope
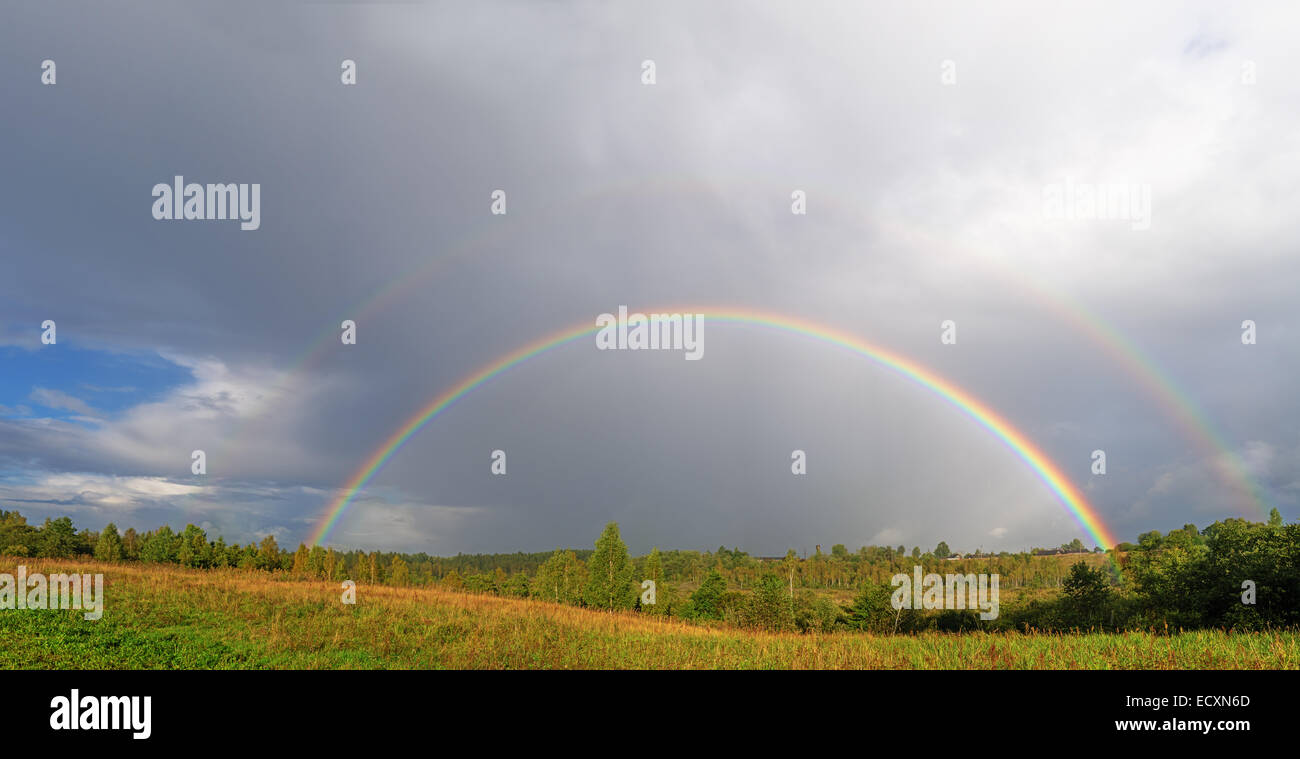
166,617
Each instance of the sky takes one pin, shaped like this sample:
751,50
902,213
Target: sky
929,140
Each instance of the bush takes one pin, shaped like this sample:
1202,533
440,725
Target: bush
873,610
705,602
770,606
816,613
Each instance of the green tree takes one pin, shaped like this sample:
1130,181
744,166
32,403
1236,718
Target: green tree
561,579
184,555
1169,580
942,551
316,563
706,601
1086,595
17,538
872,609
770,607
609,573
1266,555
159,547
815,613
131,544
193,549
516,585
340,566
1150,541
654,566
220,553
654,571
109,546
789,564
268,554
58,539
399,573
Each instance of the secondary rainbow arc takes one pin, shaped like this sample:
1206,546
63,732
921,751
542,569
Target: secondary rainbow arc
1113,343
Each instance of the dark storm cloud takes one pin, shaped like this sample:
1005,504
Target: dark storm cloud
925,204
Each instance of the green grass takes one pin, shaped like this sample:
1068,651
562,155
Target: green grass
171,618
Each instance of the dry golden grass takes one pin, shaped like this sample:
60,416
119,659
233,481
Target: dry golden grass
169,617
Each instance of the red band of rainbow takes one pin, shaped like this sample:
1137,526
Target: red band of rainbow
1048,472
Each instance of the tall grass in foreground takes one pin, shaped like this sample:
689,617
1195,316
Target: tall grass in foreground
166,617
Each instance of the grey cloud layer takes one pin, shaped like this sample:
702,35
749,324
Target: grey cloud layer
924,204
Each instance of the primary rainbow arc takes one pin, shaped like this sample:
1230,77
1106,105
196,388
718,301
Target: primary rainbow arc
1048,472
1175,402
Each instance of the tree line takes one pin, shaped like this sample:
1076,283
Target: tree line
1184,579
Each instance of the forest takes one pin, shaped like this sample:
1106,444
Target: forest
1232,575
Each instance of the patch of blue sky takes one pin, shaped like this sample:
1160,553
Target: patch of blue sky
65,382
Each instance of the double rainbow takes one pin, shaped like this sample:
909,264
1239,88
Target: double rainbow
1048,472
1251,498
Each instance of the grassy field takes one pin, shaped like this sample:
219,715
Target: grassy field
166,617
